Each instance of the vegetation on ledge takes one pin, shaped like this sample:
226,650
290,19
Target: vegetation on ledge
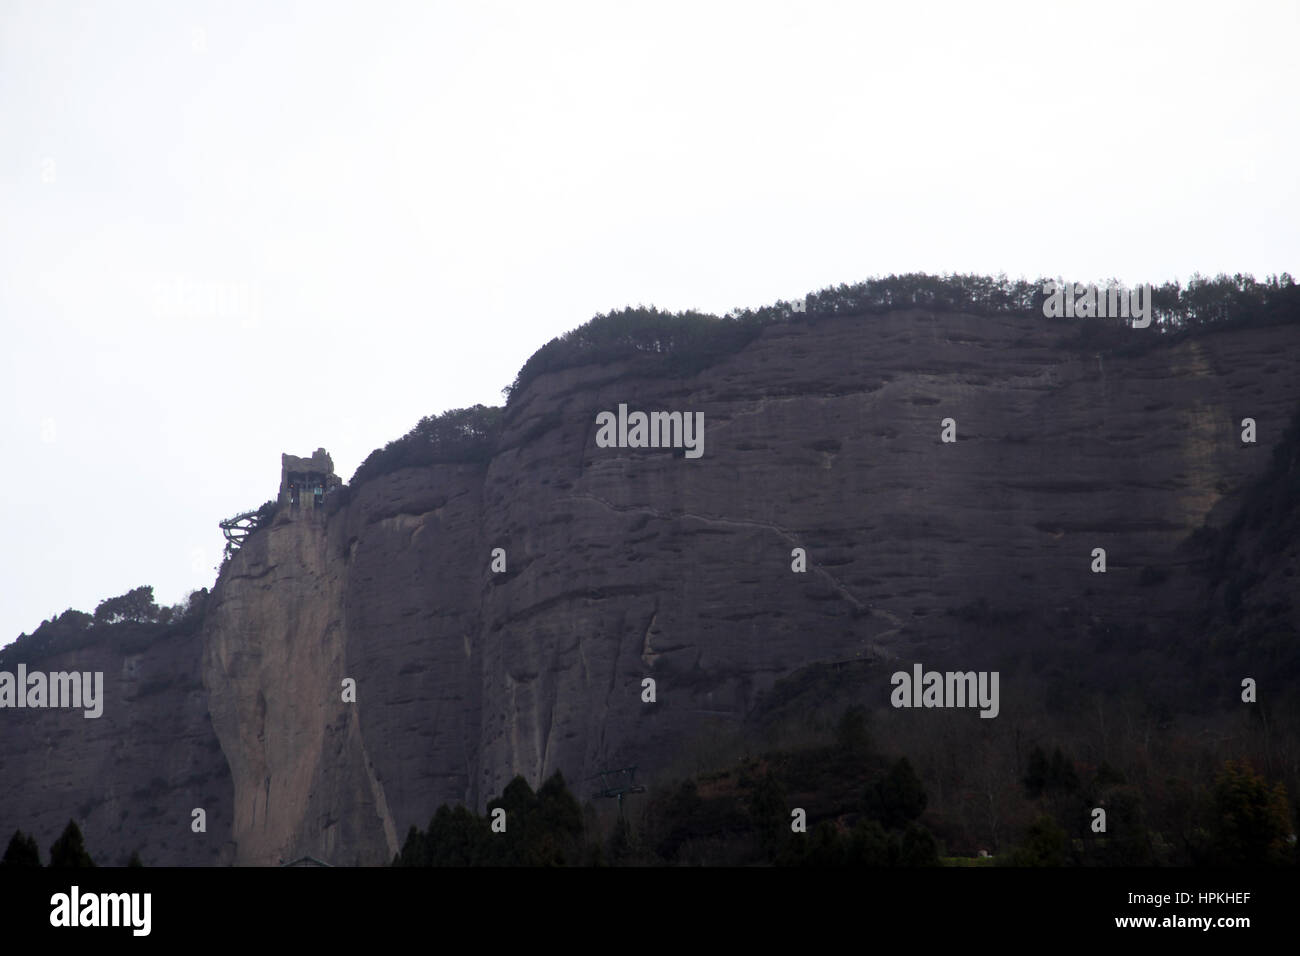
678,344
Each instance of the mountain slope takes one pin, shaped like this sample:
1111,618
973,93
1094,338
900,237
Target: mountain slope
627,563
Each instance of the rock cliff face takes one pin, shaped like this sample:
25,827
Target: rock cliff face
131,777
274,643
627,563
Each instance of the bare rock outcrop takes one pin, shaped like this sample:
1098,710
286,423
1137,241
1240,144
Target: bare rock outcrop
629,563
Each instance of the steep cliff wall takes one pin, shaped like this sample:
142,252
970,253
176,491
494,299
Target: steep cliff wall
827,436
273,665
131,777
631,563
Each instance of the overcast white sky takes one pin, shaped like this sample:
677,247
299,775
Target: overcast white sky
232,230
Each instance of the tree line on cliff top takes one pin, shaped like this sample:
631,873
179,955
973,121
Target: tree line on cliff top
133,618
672,344
684,341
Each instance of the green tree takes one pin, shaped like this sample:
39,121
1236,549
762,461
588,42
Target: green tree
825,846
414,850
69,850
1251,822
518,800
458,837
135,605
869,845
542,829
898,798
458,435
22,851
1045,845
554,825
918,847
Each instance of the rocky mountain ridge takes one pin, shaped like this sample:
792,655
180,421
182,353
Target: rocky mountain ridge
628,563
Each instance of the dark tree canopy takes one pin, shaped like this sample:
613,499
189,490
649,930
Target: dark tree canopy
1251,820
135,605
680,343
542,829
22,851
674,344
899,797
69,850
459,435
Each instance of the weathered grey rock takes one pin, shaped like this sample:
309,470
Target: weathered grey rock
631,563
131,777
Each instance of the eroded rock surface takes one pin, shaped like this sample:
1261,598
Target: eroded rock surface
630,563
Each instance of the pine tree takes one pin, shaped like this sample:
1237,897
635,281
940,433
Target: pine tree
22,851
554,826
899,798
415,851
918,847
69,850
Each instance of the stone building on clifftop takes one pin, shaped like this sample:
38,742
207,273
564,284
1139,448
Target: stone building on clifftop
304,482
